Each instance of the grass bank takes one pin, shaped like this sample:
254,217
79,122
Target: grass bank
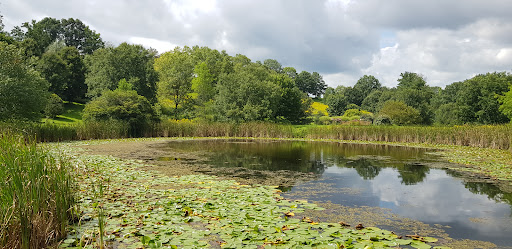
36,194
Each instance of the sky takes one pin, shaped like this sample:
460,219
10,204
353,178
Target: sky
444,40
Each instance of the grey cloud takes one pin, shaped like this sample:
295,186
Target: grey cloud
450,14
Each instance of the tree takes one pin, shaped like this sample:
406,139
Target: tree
243,96
337,100
107,66
72,31
293,104
23,93
291,72
412,89
54,107
319,86
400,113
122,104
202,84
53,69
273,65
364,86
506,103
176,71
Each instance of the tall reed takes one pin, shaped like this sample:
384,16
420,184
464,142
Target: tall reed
36,194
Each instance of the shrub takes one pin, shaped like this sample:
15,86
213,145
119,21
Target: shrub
54,107
122,104
400,113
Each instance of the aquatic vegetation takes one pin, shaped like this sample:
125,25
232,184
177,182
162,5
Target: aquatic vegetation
147,209
36,194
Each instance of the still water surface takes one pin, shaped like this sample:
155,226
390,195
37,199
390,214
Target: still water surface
396,178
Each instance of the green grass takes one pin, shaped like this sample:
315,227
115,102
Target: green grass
72,114
36,194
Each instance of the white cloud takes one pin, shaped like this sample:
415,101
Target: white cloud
160,46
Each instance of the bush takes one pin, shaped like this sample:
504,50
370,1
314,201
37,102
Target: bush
54,107
400,113
122,104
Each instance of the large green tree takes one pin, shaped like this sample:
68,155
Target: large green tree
176,71
46,31
412,90
23,92
364,86
243,96
64,69
107,66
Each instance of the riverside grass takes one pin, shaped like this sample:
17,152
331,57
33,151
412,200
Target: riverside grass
36,194
484,136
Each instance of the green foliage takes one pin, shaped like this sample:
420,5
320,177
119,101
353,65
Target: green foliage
475,100
107,66
54,107
122,105
506,103
400,113
273,65
243,96
310,83
176,71
203,83
364,86
337,100
23,93
36,194
48,30
292,103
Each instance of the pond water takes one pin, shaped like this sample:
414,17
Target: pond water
391,177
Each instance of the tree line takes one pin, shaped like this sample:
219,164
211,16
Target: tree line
50,61
136,84
483,99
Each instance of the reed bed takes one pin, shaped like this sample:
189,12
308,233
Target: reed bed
36,194
488,136
484,136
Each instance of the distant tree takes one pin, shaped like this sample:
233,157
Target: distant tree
203,83
176,71
122,104
48,30
291,72
54,107
53,69
304,81
412,89
107,66
293,104
400,113
337,100
506,103
364,86
319,85
23,93
242,96
273,65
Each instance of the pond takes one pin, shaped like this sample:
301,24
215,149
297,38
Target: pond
406,182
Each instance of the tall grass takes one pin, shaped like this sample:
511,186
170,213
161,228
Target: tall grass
36,194
486,136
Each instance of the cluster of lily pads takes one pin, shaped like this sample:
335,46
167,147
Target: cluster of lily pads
124,206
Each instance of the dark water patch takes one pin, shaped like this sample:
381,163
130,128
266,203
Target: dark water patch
399,179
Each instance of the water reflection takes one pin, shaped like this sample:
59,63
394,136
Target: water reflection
380,176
